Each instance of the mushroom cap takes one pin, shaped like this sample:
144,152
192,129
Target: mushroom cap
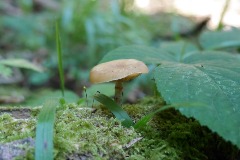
117,70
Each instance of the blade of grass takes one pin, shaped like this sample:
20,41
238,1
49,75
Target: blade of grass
144,120
60,64
224,10
44,132
119,113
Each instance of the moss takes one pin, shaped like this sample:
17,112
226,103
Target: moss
13,129
82,133
86,133
192,140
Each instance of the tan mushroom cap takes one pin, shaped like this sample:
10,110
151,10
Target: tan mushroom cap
122,70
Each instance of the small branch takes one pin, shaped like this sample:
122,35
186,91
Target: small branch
132,142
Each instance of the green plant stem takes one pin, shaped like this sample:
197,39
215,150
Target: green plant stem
220,24
59,52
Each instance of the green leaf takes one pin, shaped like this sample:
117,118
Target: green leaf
21,63
179,50
5,71
119,113
220,39
217,57
44,95
180,24
44,132
212,78
104,88
142,53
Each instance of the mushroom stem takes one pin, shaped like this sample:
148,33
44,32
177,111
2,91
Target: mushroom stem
118,92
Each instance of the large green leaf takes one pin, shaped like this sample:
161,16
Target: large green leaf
180,24
211,78
179,50
220,39
142,53
104,88
213,82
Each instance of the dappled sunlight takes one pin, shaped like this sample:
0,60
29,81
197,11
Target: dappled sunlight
196,8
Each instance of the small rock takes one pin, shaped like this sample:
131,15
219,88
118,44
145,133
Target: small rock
11,150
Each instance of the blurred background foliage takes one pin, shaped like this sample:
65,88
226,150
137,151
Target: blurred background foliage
88,28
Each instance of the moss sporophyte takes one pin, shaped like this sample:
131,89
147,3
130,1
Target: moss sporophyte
117,71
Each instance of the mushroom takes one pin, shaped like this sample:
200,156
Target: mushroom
117,71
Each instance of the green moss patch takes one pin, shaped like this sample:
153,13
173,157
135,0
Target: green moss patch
189,139
86,133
